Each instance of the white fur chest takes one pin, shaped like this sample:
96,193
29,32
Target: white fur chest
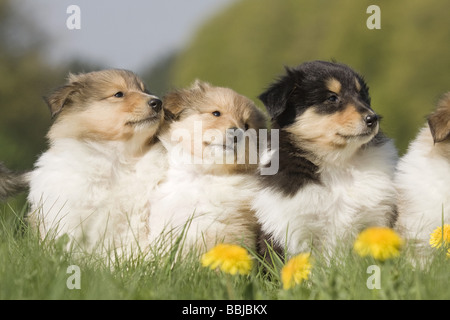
348,199
68,178
209,208
93,194
423,183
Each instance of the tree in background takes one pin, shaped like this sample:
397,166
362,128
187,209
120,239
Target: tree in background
245,47
24,79
406,62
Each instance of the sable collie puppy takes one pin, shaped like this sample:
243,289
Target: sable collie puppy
335,166
423,179
206,197
102,153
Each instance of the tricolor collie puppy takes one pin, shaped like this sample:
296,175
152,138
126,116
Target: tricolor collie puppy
101,156
423,179
211,144
335,167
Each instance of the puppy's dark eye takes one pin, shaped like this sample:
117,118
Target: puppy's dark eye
216,113
119,94
333,98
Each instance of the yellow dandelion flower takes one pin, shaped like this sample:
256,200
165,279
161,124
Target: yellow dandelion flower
229,258
439,238
296,270
379,242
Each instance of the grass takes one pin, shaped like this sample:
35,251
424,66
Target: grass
33,269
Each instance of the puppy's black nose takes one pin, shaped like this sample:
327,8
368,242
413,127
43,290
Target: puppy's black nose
155,104
371,120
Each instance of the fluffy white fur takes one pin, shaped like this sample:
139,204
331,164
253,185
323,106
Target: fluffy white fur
423,183
95,193
203,209
354,194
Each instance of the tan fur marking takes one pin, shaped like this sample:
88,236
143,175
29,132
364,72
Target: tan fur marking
358,85
319,133
334,85
316,131
349,116
439,120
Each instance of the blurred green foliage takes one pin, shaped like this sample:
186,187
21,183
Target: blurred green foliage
406,63
245,47
24,79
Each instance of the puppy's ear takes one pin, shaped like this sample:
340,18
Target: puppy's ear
275,98
200,85
60,97
177,101
439,120
174,104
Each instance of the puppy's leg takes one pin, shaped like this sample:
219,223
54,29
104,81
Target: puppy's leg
269,250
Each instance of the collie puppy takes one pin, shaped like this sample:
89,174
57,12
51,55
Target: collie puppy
423,179
335,166
102,154
211,145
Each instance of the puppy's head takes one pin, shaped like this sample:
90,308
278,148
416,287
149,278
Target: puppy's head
215,125
108,105
439,120
324,105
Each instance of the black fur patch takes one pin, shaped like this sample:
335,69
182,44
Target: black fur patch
266,247
295,170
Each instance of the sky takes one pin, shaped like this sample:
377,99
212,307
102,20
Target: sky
129,34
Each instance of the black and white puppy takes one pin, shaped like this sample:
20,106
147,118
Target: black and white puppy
335,166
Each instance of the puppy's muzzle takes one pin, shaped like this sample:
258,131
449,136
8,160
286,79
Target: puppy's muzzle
369,117
371,120
155,104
